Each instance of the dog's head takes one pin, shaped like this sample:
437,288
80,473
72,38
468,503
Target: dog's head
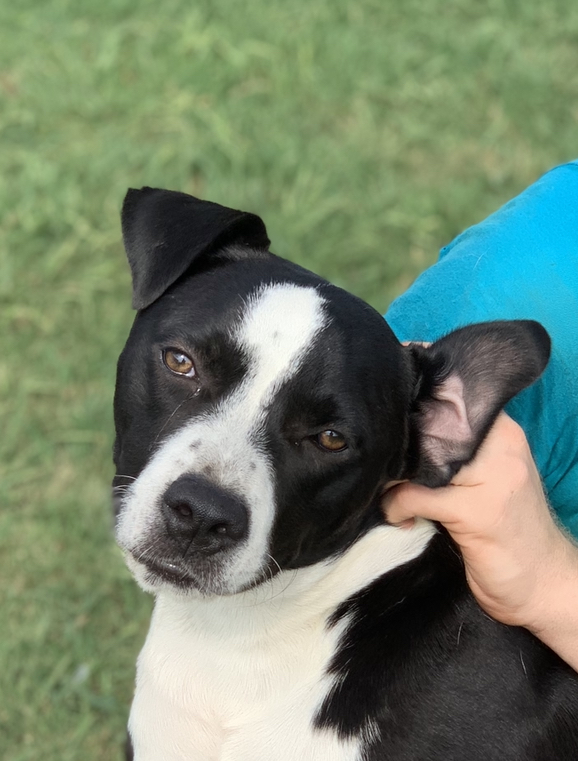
260,410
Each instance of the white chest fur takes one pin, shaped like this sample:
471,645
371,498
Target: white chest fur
241,678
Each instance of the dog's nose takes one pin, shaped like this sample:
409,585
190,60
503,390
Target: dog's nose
206,516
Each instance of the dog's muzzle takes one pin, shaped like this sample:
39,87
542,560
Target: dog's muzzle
198,529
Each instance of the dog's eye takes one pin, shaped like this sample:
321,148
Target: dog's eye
332,441
178,362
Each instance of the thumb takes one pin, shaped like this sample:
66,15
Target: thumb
406,501
397,508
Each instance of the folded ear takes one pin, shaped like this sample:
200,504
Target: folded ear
462,382
165,232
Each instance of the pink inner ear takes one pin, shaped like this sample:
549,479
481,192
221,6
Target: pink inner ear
446,416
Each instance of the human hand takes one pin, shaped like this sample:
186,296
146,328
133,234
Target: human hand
516,557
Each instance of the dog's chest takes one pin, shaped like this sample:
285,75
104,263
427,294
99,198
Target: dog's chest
234,688
242,677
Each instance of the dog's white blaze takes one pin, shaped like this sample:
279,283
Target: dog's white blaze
241,678
278,329
279,326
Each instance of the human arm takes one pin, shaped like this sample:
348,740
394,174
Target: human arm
521,567
519,263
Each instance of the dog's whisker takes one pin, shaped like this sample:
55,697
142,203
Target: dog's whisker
269,587
149,552
523,664
170,417
286,587
460,632
142,554
273,559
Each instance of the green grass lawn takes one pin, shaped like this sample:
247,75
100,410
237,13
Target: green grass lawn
366,133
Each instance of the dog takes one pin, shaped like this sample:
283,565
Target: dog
260,411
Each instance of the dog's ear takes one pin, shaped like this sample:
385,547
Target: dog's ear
165,232
462,382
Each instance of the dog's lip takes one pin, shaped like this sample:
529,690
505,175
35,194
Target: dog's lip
168,570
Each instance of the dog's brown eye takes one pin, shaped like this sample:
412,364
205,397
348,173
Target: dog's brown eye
330,440
178,362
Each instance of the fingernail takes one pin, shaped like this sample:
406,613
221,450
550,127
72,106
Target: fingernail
409,523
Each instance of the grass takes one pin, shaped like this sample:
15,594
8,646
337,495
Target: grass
366,134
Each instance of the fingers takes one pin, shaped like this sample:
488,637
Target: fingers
502,463
403,503
505,439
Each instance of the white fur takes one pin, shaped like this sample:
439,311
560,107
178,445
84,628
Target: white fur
241,678
279,326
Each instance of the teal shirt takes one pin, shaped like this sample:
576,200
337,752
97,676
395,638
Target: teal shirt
519,263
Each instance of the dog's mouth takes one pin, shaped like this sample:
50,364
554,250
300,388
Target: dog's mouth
166,570
157,572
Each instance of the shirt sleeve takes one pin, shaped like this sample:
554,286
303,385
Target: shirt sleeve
519,263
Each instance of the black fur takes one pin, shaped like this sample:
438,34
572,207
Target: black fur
128,749
438,679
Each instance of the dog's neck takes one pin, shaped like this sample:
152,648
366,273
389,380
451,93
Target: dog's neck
301,597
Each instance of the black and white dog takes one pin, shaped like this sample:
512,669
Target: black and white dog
260,411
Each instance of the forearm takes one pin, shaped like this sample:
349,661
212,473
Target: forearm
554,617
